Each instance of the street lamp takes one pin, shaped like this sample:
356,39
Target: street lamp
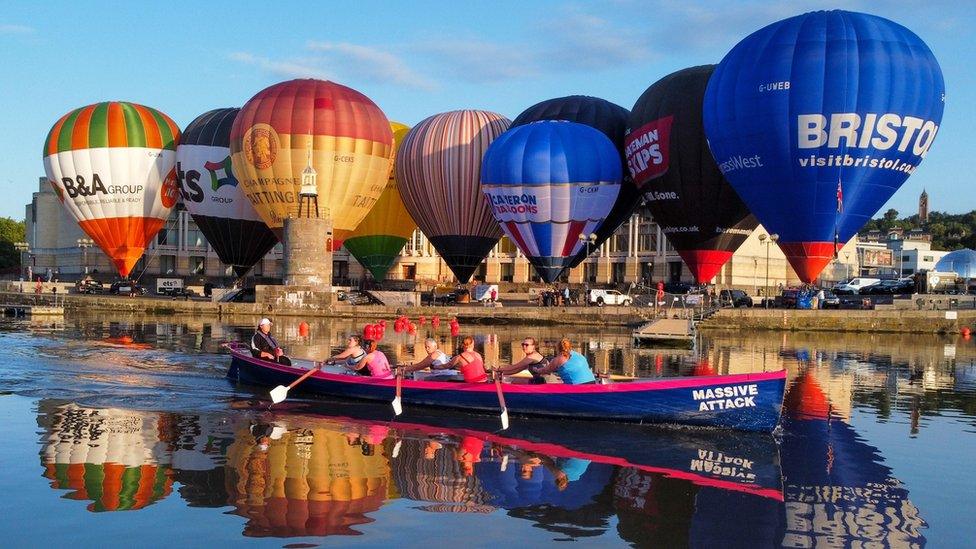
588,240
762,239
847,266
84,244
24,249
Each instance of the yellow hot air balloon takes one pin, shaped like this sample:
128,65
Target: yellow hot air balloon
351,146
377,241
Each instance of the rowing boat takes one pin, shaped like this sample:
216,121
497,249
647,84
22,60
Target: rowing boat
748,402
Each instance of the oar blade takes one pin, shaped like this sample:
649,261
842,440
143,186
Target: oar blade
504,417
397,406
279,394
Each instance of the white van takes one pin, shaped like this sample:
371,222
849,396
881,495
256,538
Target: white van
855,285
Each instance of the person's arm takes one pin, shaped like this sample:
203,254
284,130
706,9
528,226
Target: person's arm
344,354
520,365
426,362
550,367
262,347
459,360
361,364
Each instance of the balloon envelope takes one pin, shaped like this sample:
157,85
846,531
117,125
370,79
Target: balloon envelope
817,120
351,146
112,166
439,169
609,118
668,157
549,182
387,227
212,195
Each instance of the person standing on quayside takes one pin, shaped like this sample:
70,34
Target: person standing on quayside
264,346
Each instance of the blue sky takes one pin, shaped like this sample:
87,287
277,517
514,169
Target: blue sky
415,59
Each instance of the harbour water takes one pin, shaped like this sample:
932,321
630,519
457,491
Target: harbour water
127,429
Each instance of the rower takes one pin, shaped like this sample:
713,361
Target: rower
264,346
469,362
532,359
436,359
374,363
570,366
351,355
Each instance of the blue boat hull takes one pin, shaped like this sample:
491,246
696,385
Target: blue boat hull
748,402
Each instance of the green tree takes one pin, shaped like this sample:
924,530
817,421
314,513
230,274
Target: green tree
10,232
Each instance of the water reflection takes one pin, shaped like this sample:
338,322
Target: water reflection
824,483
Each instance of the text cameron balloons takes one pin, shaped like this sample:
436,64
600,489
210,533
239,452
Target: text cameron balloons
817,120
547,183
384,231
609,118
438,169
668,157
112,166
351,149
213,195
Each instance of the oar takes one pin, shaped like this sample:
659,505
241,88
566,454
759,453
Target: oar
397,404
501,400
280,392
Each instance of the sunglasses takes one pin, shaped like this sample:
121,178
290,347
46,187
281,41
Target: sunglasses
528,344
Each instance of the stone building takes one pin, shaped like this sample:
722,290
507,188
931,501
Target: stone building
637,253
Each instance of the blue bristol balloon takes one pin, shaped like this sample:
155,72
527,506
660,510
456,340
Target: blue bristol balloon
817,120
547,183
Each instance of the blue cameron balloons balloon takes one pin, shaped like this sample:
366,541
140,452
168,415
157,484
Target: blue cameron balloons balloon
547,183
609,118
817,120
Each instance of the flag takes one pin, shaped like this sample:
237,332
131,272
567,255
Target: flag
840,197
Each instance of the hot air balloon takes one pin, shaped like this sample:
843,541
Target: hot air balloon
351,146
438,170
609,118
212,195
547,183
112,165
668,157
387,227
816,121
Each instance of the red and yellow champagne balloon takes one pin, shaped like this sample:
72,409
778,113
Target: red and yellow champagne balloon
351,146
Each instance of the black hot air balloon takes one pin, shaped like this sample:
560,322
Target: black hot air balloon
668,157
609,118
211,195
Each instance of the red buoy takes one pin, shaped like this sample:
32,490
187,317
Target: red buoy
965,332
303,329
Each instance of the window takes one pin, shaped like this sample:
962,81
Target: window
506,246
166,237
198,265
928,258
409,271
905,258
619,272
258,268
194,239
167,264
508,272
674,271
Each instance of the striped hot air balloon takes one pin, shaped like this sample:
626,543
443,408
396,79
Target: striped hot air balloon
112,166
351,146
212,195
377,241
439,172
549,182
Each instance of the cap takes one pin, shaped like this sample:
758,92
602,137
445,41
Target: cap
264,321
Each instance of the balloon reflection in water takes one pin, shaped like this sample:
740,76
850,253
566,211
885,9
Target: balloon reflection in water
112,458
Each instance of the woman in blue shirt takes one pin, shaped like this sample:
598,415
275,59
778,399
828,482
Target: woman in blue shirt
570,366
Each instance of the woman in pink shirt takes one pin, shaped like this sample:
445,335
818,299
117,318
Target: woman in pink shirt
375,362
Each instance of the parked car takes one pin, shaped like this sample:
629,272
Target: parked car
734,298
788,298
610,297
677,287
855,286
127,287
89,286
890,287
830,300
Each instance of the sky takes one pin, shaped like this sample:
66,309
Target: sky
418,58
